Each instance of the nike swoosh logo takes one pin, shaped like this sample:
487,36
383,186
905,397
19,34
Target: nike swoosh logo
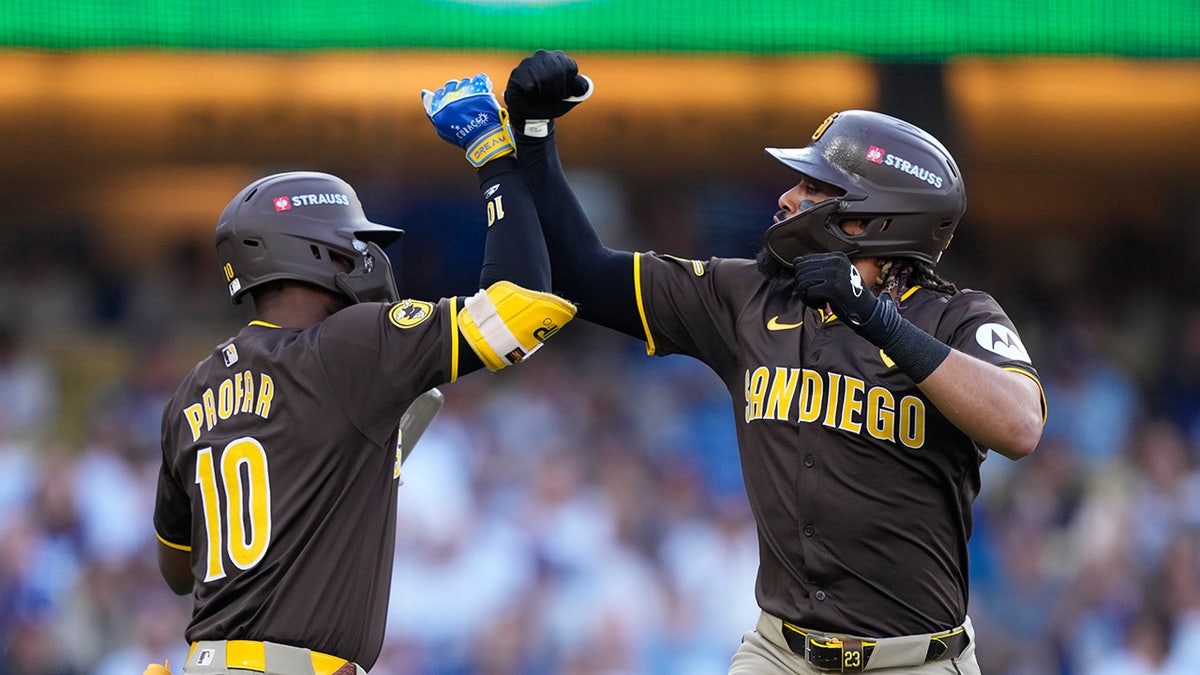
773,324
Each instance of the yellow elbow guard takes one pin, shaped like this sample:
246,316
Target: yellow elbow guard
506,323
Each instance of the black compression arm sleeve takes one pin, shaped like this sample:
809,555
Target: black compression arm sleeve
515,249
598,279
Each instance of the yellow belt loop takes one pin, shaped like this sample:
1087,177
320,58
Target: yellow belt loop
324,664
246,654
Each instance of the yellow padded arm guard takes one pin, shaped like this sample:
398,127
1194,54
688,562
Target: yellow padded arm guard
505,323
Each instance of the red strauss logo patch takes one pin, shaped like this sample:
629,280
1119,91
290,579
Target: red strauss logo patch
875,154
282,204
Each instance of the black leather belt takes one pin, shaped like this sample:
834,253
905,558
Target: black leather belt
851,656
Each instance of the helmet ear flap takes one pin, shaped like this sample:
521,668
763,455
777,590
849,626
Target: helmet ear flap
372,281
808,231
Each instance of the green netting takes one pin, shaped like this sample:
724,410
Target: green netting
911,29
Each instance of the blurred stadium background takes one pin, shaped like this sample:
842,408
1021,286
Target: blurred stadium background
584,513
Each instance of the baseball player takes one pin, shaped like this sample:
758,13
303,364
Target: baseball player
276,504
866,389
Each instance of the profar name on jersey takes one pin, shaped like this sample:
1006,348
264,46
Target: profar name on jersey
235,395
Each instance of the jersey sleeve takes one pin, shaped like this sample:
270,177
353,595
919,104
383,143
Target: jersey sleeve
975,324
684,309
379,358
172,506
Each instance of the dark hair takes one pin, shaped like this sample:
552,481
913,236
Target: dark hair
901,274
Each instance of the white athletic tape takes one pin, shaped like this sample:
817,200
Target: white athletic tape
495,332
540,128
584,96
537,128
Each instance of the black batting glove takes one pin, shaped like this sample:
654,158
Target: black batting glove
829,278
543,87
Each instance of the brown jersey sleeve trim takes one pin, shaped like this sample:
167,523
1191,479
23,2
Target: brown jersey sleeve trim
637,288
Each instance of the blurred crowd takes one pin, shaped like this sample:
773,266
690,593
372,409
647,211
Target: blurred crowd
583,513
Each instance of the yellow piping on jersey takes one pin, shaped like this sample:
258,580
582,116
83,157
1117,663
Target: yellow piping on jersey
1039,386
453,340
177,547
264,324
637,288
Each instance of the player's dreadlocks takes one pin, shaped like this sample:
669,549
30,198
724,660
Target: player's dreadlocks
900,274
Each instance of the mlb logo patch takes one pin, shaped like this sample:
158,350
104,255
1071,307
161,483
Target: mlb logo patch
205,657
875,154
229,353
282,204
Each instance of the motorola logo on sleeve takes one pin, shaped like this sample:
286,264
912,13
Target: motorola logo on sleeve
1001,340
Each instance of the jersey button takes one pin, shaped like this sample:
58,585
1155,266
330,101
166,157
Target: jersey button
819,595
809,530
809,461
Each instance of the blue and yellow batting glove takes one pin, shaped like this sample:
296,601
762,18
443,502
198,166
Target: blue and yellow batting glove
466,113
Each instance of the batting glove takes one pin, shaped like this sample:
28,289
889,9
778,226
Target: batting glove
465,112
543,87
830,278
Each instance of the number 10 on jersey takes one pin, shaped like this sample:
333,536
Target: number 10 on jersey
246,488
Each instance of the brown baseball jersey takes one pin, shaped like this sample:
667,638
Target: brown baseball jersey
861,488
280,460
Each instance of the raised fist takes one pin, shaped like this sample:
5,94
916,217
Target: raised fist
465,112
542,87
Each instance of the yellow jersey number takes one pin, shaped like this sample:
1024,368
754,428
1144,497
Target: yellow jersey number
246,484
